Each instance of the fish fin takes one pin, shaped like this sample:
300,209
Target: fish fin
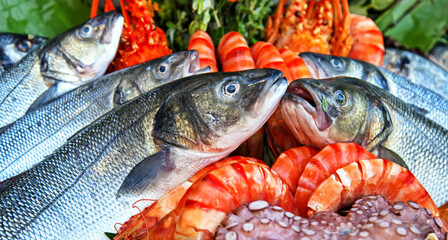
420,110
2,129
43,99
145,172
4,184
391,156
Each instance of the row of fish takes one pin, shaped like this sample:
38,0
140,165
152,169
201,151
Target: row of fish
132,134
139,132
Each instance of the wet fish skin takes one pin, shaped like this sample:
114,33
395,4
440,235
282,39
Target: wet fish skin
14,46
417,69
372,118
170,132
439,55
429,103
73,58
38,133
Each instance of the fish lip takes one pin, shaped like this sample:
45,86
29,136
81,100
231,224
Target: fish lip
272,86
315,69
303,94
193,65
113,23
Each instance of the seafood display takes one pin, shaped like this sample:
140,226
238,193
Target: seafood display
105,166
223,119
320,112
74,58
39,133
13,47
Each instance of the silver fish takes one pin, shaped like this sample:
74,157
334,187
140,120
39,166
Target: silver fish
439,55
28,140
429,103
351,110
14,46
141,149
73,58
417,69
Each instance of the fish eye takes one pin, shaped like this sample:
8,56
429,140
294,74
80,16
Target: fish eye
231,88
162,69
340,97
24,45
86,30
337,63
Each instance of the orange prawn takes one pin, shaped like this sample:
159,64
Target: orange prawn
369,177
266,55
208,197
234,53
290,164
368,43
322,165
202,42
295,64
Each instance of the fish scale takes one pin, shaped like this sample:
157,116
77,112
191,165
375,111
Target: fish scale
78,165
90,183
26,85
422,144
40,132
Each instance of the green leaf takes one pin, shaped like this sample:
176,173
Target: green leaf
381,4
357,9
42,17
324,104
392,15
423,26
110,235
171,25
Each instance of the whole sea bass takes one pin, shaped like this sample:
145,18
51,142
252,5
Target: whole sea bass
417,69
139,150
73,58
427,102
28,140
14,46
351,110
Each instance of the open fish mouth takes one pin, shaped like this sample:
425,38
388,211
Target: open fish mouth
303,94
115,24
193,66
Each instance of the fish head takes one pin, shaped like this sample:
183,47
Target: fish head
14,47
321,112
327,66
151,74
84,52
169,68
220,110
